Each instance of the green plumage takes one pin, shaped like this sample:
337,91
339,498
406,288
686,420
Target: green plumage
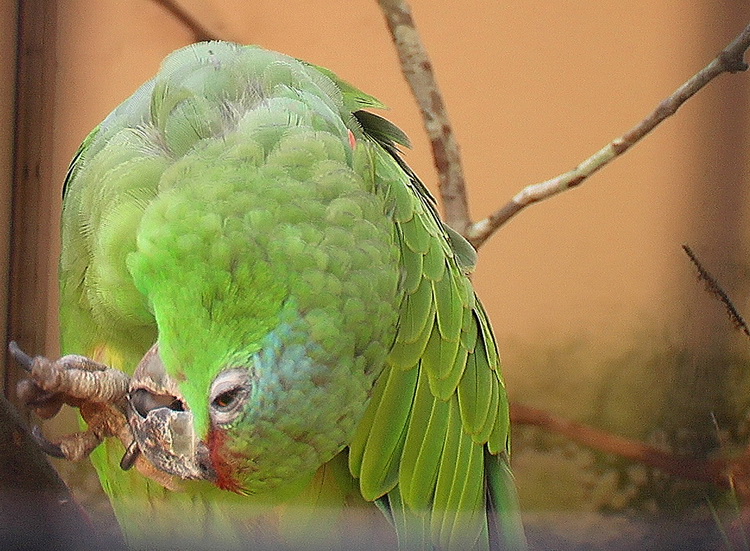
243,211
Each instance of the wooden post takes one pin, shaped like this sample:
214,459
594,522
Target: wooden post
8,26
33,195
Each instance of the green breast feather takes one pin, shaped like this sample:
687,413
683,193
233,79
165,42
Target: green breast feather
243,211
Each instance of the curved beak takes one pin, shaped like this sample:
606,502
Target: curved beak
162,424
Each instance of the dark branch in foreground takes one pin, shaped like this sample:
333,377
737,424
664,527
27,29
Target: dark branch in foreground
37,510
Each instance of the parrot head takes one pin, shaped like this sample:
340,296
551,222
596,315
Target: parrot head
254,382
267,422
266,356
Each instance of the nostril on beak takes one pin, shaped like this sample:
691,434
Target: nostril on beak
143,401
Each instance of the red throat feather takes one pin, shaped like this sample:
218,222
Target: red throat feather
221,459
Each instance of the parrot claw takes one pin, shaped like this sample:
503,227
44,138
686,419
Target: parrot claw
23,359
73,447
74,380
50,448
45,404
98,391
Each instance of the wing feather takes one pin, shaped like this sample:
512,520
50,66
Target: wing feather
474,393
358,443
448,307
434,263
415,313
440,355
423,448
488,424
439,410
446,387
416,236
406,355
451,467
413,263
467,502
385,442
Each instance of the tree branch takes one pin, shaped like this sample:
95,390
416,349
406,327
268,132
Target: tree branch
727,473
417,68
729,60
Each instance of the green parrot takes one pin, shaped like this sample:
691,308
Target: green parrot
304,342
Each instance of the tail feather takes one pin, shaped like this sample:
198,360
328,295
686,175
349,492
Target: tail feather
412,527
503,510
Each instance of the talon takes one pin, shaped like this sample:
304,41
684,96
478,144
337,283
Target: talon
47,447
130,457
49,408
29,392
44,399
23,359
45,404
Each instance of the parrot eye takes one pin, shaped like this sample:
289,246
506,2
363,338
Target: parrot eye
229,393
227,400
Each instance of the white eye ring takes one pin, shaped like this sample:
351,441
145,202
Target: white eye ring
229,393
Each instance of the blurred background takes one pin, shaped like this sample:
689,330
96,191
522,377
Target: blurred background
596,308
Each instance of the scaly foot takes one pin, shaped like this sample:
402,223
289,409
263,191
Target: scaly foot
97,390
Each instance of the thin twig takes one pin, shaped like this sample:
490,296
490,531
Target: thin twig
713,287
417,68
730,60
200,31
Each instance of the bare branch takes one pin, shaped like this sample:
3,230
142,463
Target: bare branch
713,287
200,31
718,471
730,60
417,68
